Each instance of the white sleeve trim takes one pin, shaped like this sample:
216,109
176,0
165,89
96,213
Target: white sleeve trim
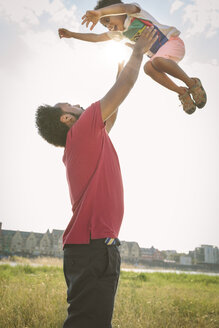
137,5
115,35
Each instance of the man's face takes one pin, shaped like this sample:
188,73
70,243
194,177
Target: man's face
75,110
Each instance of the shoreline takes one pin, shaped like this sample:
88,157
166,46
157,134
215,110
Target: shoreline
144,270
124,268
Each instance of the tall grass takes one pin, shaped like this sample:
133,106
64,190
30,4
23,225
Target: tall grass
167,300
35,297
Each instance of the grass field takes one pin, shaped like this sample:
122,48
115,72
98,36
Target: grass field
35,297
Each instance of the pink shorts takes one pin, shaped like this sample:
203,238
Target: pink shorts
173,49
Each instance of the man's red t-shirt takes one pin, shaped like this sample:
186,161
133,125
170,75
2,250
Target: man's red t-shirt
94,179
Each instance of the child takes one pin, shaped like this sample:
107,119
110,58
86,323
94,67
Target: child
128,21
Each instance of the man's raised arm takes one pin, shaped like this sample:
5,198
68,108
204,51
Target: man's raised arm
111,120
128,76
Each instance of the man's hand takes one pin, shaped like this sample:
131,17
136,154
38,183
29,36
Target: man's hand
91,16
145,41
63,33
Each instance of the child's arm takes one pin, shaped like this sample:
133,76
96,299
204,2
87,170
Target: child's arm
91,37
93,16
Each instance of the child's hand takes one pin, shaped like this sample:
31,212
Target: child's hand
91,16
63,33
146,40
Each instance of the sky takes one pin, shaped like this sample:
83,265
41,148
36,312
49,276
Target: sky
169,160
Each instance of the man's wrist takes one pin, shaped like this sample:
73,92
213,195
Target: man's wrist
137,52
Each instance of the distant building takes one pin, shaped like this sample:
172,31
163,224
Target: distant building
129,251
151,254
170,254
30,243
199,255
206,254
185,260
24,243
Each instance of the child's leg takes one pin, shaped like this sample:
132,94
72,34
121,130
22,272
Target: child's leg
165,65
170,67
165,62
188,105
162,78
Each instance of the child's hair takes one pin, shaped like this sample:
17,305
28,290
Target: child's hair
49,125
105,3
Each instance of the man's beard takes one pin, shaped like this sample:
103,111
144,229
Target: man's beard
77,116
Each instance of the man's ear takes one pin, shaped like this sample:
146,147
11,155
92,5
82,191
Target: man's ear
67,119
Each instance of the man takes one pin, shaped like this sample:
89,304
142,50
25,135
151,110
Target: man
91,256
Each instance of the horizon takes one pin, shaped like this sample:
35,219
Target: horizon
169,160
129,241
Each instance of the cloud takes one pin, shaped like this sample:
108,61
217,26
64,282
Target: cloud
214,61
176,5
20,12
203,17
27,13
29,28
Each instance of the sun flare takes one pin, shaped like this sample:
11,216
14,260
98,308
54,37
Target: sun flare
117,51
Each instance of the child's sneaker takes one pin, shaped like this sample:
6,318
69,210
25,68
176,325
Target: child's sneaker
188,105
198,93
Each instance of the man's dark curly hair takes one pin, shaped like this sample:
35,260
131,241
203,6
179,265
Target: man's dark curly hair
49,125
105,3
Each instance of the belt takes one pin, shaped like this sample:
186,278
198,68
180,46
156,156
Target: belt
106,241
98,242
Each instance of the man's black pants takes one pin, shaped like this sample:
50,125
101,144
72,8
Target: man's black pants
91,273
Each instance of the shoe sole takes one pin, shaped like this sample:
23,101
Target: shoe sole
205,95
191,111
